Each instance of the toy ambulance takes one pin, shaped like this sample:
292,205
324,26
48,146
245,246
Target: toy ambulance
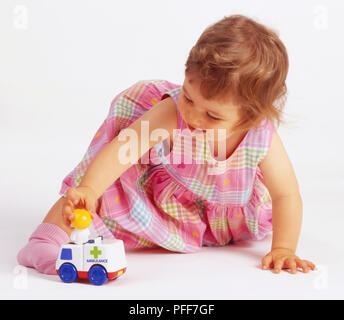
97,260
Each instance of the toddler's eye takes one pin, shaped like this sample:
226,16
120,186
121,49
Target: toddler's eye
186,99
212,117
190,102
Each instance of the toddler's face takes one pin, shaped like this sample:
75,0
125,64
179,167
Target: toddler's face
205,114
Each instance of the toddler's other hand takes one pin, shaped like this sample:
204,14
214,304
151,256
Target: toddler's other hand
283,258
78,198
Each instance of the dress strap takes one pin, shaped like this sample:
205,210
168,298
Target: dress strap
258,141
174,94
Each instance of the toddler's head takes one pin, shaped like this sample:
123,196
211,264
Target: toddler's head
235,76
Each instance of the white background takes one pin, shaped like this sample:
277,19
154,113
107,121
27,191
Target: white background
61,64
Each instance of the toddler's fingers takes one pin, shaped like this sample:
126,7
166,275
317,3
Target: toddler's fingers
73,196
69,207
303,265
310,265
65,208
278,264
291,263
266,261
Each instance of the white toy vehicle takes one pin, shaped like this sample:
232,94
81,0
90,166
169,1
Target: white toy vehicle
97,260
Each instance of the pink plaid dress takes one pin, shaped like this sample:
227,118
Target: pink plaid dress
183,199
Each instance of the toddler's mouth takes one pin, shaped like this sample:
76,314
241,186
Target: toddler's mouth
193,129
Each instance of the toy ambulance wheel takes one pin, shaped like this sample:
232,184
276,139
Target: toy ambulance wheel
97,275
68,273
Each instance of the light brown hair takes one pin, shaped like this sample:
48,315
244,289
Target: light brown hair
240,60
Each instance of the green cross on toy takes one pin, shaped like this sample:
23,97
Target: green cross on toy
95,252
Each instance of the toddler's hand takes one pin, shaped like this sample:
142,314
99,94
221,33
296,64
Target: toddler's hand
78,198
283,258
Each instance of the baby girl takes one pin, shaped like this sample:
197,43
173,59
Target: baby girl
218,175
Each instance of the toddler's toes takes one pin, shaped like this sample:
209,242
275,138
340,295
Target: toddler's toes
39,255
48,267
22,257
43,248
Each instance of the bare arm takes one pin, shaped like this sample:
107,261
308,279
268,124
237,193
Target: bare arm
280,180
112,160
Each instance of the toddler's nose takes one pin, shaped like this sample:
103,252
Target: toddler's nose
197,125
194,122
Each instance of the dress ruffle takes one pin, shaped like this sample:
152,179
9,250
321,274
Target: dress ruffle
224,223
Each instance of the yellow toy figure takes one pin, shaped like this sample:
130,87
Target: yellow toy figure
81,221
